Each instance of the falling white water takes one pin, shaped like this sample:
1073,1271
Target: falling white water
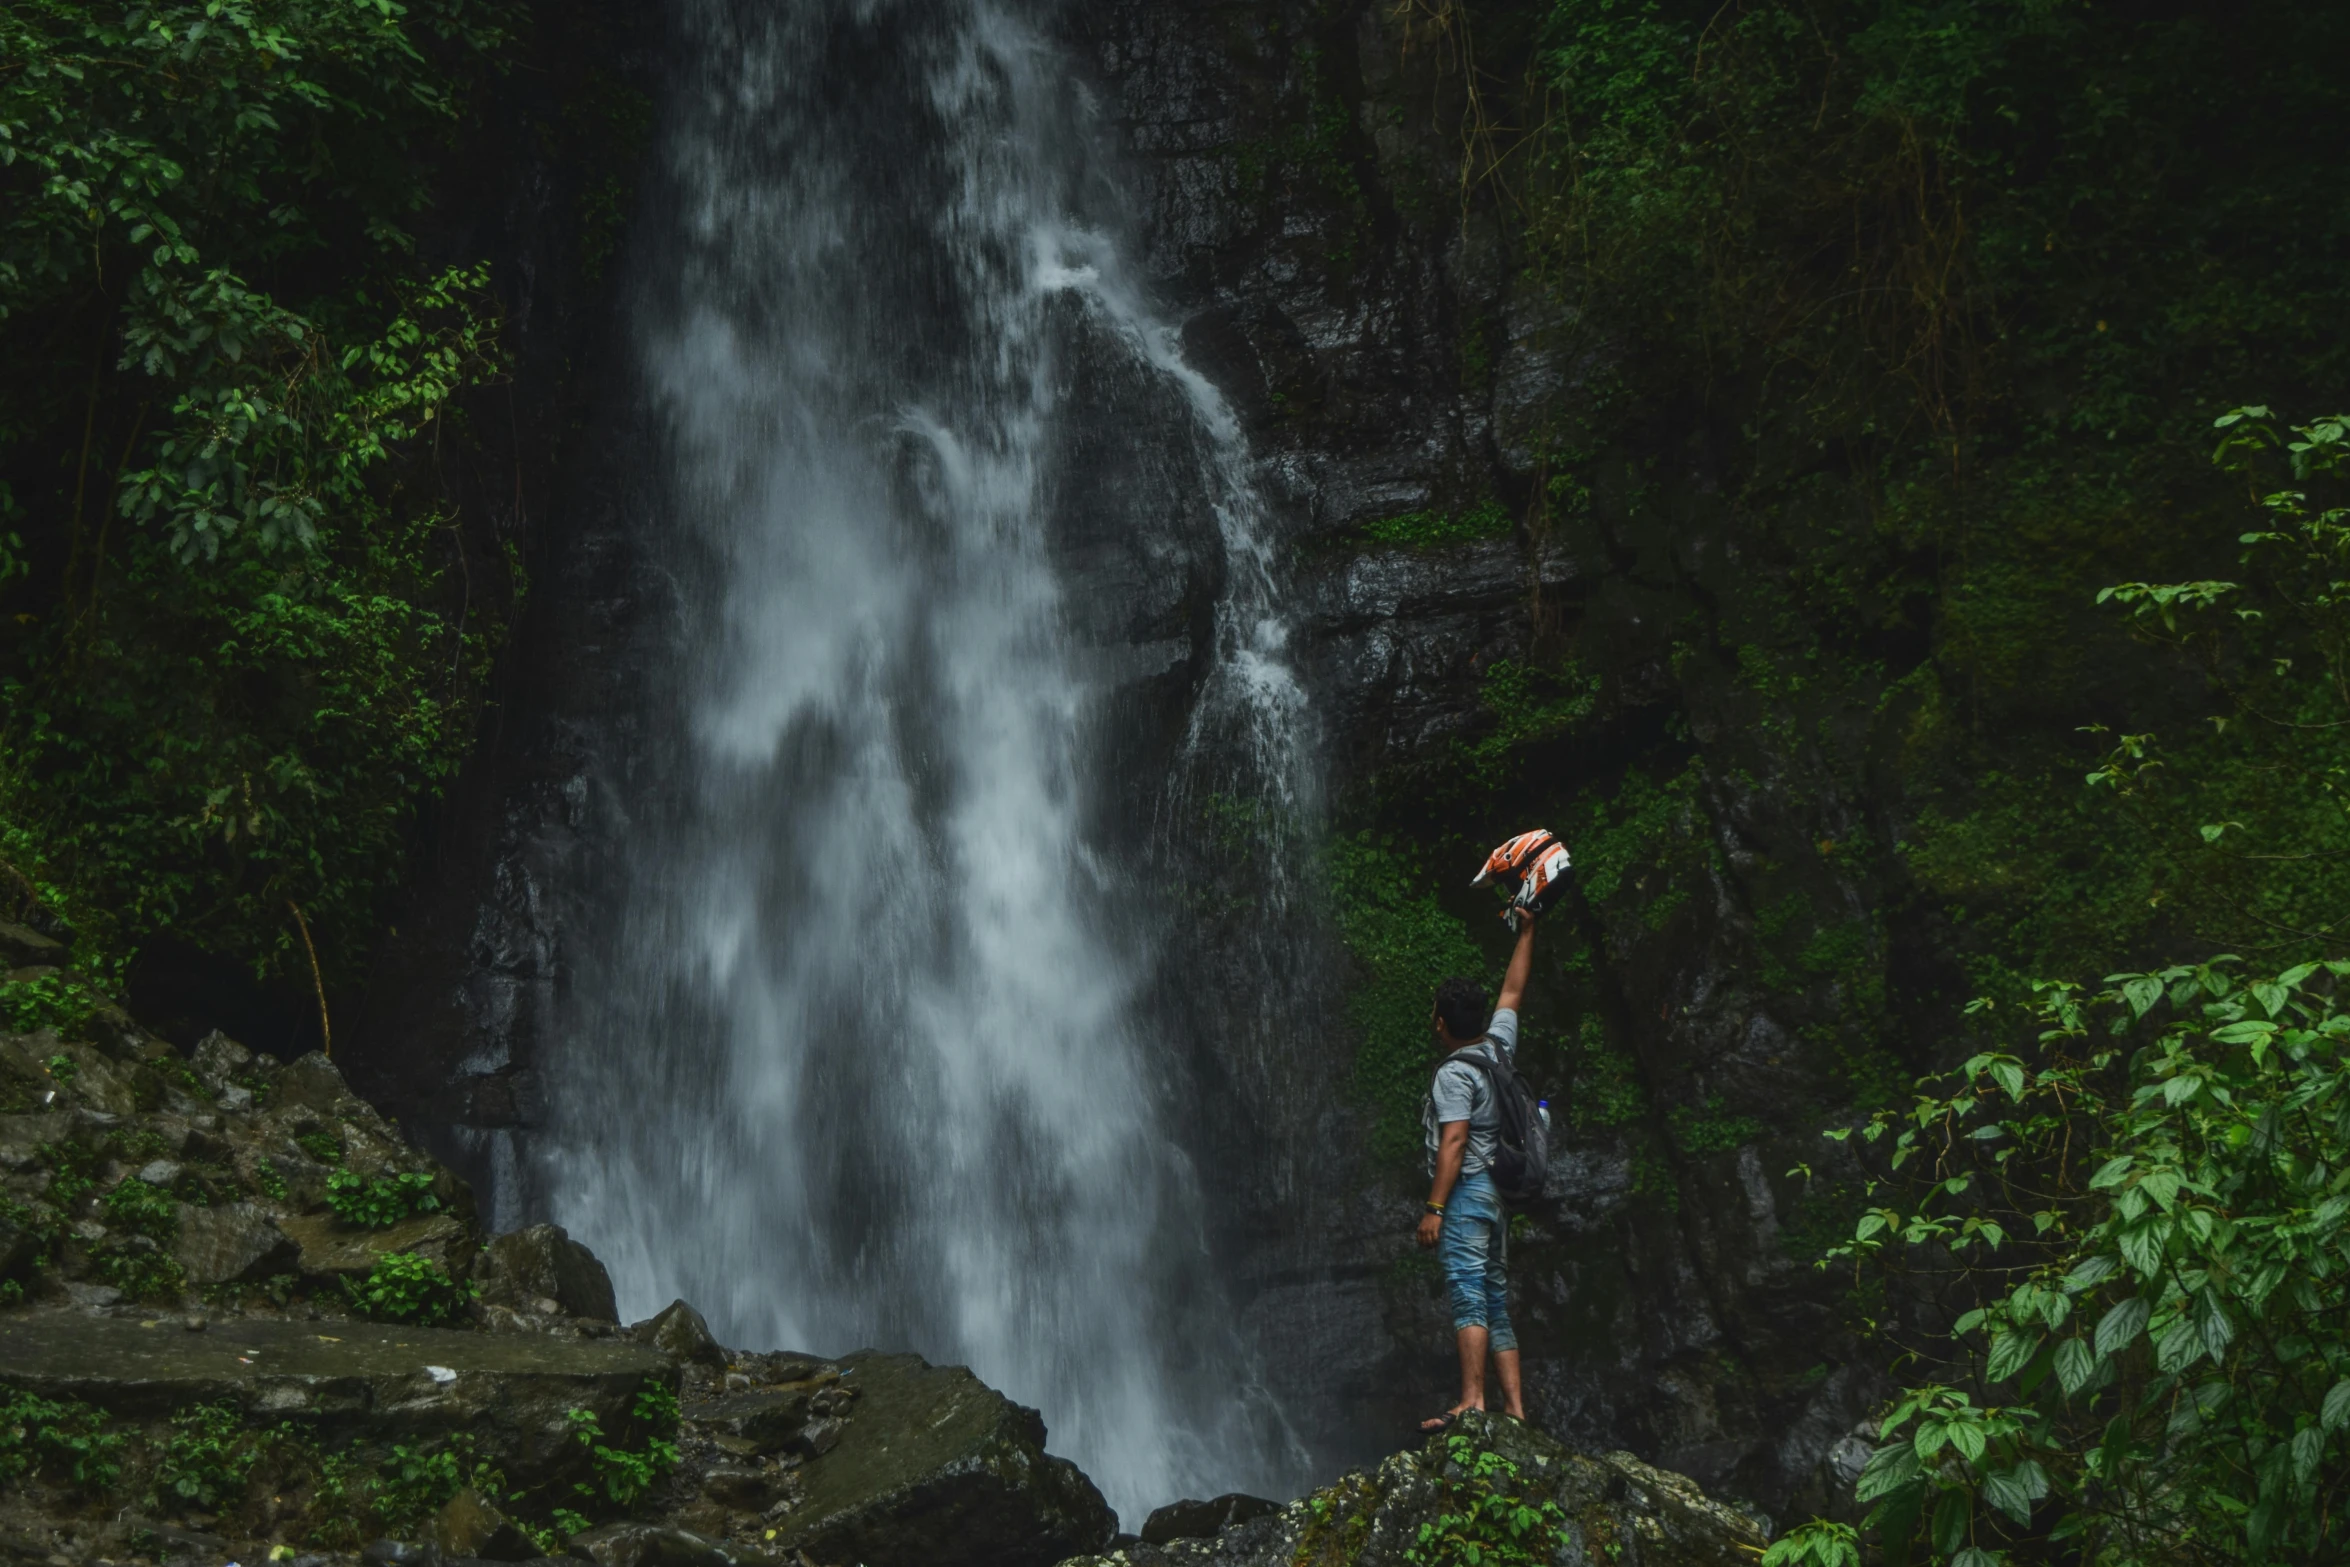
857,1059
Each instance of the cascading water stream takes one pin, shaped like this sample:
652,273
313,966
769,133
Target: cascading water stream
858,1057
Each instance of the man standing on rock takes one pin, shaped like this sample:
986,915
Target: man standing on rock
1464,1220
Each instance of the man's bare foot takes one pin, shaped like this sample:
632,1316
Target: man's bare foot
1444,1421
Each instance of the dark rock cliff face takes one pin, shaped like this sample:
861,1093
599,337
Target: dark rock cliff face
1295,171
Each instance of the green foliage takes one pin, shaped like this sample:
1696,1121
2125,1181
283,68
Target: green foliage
209,1459
1434,529
142,1273
135,1207
656,1408
325,1147
144,1220
60,999
413,1483
1529,705
269,1181
623,1475
244,639
379,1202
1709,1128
1403,944
407,1287
62,1439
2149,1203
1607,1084
1638,839
1484,1517
2166,1177
1815,1544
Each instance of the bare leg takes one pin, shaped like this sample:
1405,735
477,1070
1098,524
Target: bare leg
1472,1347
1513,1396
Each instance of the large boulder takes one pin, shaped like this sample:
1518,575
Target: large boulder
1609,1510
932,1466
234,1243
541,1266
679,1332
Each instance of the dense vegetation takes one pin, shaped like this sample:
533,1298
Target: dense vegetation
245,628
1927,310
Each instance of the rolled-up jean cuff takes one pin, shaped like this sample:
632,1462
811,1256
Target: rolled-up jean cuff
1474,1251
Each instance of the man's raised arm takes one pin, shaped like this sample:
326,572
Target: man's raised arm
1513,983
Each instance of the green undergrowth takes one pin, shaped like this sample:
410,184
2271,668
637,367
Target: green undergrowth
405,1286
1484,1516
1434,529
211,1460
246,628
1403,944
378,1202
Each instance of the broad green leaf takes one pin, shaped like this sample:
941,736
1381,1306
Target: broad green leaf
2074,1363
2179,1346
2142,1244
2219,1330
1974,1556
2335,1413
1931,1436
1889,1468
2010,1076
2010,1353
1951,1515
2006,1493
2309,1445
2119,1327
2110,1173
1968,1438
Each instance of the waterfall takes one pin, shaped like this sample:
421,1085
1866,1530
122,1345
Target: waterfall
858,1053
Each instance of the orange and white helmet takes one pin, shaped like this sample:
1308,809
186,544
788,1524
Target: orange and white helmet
1532,867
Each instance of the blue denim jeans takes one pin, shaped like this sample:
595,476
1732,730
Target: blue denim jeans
1474,1248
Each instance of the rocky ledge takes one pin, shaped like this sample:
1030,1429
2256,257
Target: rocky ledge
241,1318
1489,1490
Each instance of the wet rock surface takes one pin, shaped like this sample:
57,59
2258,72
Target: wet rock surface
932,1465
347,1380
1607,1510
186,1376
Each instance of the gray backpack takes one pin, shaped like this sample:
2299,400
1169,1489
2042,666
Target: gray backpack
1521,1153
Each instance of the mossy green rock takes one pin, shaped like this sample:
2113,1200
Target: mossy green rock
935,1466
1613,1511
352,1382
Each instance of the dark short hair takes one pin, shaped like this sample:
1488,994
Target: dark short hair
1462,1008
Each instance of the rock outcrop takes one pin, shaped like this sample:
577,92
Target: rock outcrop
1437,1504
215,1298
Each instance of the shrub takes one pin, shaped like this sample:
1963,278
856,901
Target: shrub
1484,1517
624,1475
209,1459
58,1000
64,1439
412,1483
379,1202
406,1287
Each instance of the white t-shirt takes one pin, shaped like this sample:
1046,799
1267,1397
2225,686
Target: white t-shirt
1463,1093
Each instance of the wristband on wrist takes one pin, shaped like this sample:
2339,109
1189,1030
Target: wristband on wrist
1436,1208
